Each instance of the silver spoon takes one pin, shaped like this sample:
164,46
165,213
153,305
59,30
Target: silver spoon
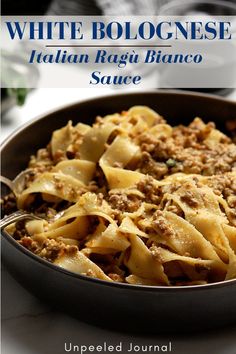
17,216
24,215
17,186
18,183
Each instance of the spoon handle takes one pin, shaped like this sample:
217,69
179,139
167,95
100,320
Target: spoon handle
17,216
7,182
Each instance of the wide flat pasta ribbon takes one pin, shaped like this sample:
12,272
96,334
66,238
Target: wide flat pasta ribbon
80,264
55,184
141,262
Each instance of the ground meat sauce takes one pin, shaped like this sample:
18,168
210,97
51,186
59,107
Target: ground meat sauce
48,249
187,150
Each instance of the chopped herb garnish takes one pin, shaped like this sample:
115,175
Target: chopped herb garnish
19,94
171,163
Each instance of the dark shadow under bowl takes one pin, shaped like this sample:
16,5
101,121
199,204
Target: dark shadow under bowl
121,306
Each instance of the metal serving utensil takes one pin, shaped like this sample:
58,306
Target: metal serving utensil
24,215
18,183
17,186
17,216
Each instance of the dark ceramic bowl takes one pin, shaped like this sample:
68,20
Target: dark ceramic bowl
122,306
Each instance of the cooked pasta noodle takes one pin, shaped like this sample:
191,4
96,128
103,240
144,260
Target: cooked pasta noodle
132,199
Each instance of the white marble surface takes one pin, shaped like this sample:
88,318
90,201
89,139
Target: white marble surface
31,327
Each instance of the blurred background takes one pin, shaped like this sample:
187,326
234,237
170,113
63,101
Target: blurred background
12,97
121,7
24,7
81,7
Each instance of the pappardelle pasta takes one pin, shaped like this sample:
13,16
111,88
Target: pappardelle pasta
132,199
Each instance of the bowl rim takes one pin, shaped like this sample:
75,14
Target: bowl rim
177,92
54,267
161,288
